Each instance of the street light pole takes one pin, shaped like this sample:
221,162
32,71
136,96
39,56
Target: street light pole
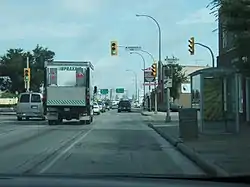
210,50
160,77
136,97
155,96
144,65
152,57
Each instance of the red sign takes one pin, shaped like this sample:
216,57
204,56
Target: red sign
147,69
79,75
53,76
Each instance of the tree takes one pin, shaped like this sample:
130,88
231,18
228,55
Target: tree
235,20
5,83
178,77
15,60
12,64
39,56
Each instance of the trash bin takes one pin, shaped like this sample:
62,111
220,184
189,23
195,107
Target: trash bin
188,123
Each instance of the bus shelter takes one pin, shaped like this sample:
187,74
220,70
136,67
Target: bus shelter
215,93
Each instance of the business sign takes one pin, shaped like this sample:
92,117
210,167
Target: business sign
186,88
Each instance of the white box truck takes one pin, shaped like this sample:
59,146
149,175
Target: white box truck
69,91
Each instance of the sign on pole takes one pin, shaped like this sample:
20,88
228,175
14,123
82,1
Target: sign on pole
119,90
133,48
104,91
147,69
168,83
148,76
150,84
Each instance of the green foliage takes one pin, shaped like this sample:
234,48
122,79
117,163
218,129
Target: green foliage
13,62
8,95
178,77
235,19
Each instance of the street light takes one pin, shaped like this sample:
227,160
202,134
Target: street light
135,82
160,76
152,57
159,42
155,99
144,67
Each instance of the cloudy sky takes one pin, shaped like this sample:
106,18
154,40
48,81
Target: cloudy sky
83,29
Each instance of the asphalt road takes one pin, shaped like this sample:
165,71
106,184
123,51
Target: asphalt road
114,143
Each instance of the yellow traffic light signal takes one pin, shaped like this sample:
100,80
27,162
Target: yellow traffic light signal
26,74
154,69
114,48
191,46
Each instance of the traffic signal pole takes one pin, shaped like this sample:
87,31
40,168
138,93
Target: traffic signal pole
27,82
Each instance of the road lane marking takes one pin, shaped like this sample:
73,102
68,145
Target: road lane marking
59,156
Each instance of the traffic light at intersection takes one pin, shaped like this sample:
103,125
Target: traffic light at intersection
114,48
191,46
154,69
26,74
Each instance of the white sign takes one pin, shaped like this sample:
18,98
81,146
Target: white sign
186,88
148,76
168,83
133,48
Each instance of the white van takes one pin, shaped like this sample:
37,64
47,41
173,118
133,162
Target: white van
30,105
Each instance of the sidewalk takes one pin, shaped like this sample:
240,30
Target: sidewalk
217,155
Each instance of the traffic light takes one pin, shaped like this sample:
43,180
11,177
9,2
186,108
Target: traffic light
191,46
26,74
95,89
154,69
114,48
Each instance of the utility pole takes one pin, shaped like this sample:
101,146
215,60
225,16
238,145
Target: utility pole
150,102
167,75
111,94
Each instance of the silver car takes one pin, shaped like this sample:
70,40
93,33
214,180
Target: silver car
30,105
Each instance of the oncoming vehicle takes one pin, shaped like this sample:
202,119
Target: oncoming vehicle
30,105
124,105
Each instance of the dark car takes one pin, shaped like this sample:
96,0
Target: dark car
124,106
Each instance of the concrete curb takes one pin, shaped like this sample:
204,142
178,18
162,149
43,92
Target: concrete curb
172,140
208,167
143,114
